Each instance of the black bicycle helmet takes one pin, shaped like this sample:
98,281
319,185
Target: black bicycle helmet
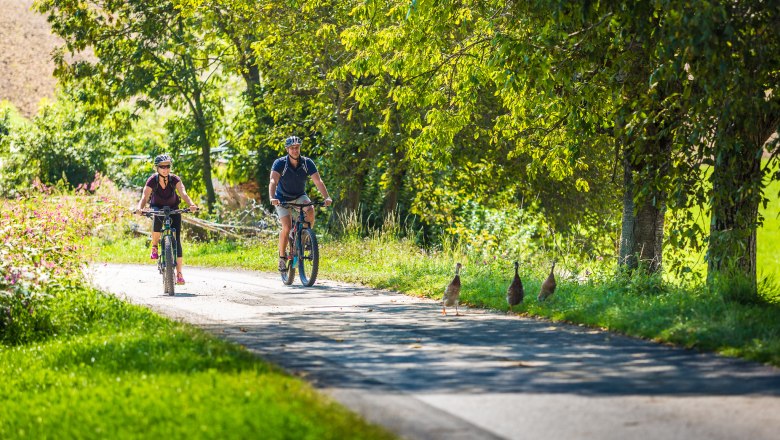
292,140
162,158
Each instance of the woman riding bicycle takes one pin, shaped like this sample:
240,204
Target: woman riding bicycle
162,188
288,185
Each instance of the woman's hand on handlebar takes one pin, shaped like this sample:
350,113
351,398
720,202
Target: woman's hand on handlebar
193,208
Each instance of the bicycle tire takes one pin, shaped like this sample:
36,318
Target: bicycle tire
170,263
309,259
288,276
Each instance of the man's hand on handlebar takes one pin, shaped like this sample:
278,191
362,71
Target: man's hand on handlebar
275,202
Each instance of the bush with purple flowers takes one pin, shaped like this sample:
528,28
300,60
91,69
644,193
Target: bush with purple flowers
41,255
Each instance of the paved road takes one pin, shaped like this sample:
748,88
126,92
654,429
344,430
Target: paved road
398,362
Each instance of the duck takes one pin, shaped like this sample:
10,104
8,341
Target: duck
515,292
548,286
452,292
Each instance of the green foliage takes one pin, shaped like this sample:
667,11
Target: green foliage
10,121
638,282
67,143
63,143
450,113
131,164
768,237
41,260
734,286
719,54
152,54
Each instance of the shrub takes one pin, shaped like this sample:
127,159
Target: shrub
41,256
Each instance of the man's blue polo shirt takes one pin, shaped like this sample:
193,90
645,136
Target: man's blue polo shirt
292,184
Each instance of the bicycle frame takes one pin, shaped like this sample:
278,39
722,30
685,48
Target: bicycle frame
297,254
300,223
170,233
166,233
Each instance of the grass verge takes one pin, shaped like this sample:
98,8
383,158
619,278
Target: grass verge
120,371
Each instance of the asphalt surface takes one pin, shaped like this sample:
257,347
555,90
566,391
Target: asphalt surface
397,361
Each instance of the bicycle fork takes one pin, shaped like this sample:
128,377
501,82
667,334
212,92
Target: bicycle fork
296,245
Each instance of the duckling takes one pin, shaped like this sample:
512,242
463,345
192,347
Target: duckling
548,286
515,292
452,292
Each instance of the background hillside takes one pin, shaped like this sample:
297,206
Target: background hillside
26,67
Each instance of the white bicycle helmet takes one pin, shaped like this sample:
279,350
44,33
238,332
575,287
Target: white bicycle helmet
292,140
162,158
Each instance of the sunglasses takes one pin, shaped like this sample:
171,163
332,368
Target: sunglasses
163,166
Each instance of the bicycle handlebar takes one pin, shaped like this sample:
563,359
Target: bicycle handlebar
301,205
161,213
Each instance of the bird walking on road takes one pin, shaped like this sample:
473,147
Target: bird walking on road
548,286
515,292
452,293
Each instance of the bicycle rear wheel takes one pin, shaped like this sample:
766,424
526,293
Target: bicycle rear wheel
288,276
309,260
170,265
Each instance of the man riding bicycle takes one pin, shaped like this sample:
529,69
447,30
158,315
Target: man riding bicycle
288,185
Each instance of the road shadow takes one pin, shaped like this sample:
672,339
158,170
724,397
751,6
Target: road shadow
332,291
411,348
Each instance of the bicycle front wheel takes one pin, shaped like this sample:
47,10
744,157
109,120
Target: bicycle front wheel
309,260
170,264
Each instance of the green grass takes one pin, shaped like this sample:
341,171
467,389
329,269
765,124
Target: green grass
120,371
768,239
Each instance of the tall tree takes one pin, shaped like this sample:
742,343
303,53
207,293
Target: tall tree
149,53
493,113
725,55
644,132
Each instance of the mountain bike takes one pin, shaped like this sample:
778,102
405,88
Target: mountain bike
303,251
166,263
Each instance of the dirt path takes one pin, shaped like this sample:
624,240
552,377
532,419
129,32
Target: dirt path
398,362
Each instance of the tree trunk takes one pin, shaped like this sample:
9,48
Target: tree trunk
736,194
352,200
394,190
205,151
211,197
391,197
642,233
